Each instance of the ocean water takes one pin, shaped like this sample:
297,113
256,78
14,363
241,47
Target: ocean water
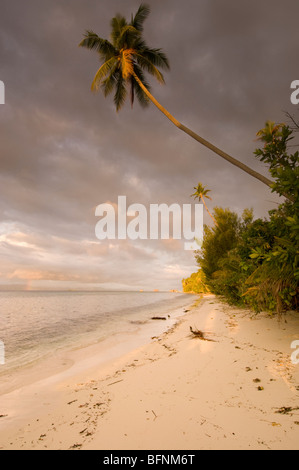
34,325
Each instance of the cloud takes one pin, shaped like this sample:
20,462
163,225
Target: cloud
65,150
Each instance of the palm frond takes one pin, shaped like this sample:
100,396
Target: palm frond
149,67
127,37
117,24
93,42
103,72
132,88
121,93
141,96
139,18
156,57
109,83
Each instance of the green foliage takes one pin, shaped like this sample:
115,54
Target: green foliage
274,284
195,284
283,167
218,241
219,257
255,262
200,191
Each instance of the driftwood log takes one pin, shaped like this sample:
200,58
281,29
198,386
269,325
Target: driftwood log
158,318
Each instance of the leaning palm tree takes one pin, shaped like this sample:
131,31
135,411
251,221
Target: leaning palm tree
125,58
200,192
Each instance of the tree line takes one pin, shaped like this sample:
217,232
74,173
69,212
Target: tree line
254,262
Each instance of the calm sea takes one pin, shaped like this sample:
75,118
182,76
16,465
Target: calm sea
36,324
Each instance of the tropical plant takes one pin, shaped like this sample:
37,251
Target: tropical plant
256,262
217,243
195,284
284,167
125,59
200,193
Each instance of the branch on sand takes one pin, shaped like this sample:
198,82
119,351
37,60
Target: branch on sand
199,334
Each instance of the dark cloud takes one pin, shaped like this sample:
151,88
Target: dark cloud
65,150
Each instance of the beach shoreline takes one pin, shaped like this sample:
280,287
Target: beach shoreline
236,389
76,355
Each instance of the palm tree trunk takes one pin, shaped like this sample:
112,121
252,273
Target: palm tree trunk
204,202
202,141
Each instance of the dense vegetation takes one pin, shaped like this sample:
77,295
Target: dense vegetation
255,262
195,283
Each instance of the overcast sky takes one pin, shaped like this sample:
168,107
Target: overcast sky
65,150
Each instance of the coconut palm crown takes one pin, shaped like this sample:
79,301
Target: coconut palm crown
125,59
201,191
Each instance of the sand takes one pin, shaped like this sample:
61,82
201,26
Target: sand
237,389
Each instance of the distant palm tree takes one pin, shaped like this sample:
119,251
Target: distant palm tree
270,132
200,192
125,59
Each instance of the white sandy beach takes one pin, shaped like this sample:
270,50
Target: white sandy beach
238,391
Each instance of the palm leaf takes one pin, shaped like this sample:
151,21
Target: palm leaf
117,24
156,57
141,15
109,83
103,72
121,93
149,67
127,36
141,96
93,42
